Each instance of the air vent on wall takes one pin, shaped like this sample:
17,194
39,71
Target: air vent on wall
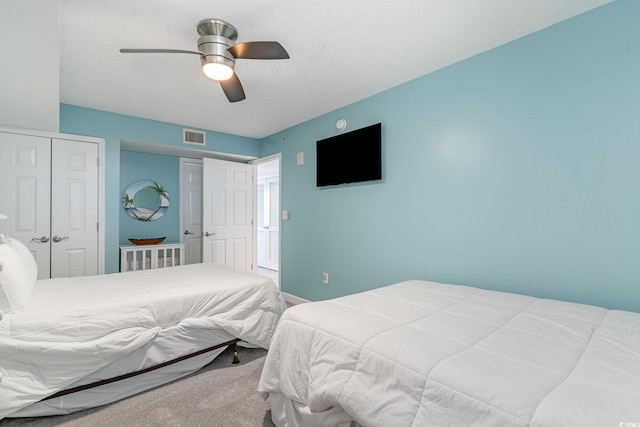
196,137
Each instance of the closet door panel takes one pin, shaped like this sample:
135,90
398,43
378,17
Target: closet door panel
25,184
74,208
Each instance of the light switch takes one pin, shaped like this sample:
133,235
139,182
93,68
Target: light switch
285,214
300,158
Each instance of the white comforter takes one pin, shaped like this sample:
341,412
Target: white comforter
73,327
427,354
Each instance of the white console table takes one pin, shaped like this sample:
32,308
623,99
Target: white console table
146,257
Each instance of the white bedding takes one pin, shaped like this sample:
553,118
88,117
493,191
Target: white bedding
168,344
426,354
75,326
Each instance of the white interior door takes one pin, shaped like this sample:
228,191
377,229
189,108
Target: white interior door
74,208
191,209
227,200
268,221
25,165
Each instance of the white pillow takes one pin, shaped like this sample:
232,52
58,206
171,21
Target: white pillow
18,275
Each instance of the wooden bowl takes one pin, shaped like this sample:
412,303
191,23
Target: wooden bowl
152,241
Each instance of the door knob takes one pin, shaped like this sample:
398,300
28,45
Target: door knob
58,239
43,239
187,232
209,234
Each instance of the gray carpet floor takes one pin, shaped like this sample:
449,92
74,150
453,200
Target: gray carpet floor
220,394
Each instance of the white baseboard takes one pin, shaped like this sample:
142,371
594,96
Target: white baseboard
293,300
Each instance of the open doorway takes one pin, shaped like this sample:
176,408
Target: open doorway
266,247
268,216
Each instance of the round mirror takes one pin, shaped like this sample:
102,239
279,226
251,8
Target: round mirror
145,200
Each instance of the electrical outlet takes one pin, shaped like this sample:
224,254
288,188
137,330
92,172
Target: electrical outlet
325,278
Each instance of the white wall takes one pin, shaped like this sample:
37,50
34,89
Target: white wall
30,65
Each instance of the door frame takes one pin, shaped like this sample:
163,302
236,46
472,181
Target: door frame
255,163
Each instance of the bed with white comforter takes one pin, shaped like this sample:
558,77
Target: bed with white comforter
421,353
74,327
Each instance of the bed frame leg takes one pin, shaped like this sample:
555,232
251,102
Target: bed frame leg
235,354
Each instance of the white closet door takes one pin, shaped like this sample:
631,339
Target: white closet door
74,208
227,200
25,193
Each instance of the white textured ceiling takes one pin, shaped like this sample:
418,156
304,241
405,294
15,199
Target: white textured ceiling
341,52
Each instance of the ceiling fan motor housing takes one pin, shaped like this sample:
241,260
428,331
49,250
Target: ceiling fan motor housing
217,27
214,50
216,36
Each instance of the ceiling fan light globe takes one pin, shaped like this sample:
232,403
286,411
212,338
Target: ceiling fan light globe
216,71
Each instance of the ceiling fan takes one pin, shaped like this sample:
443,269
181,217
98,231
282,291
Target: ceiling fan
218,52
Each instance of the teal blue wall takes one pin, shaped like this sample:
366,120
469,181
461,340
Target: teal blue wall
517,170
116,127
165,170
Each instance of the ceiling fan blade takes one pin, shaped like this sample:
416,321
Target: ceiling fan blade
259,50
159,51
233,88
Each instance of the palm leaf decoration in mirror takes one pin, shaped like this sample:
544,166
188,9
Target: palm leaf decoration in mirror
145,200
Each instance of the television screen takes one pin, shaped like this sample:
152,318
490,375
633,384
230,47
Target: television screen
350,157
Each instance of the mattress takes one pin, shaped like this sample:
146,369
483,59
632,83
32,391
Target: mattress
421,353
73,327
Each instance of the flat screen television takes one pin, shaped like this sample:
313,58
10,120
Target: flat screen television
350,157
